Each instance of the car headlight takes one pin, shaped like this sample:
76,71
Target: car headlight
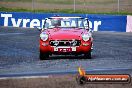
44,36
86,37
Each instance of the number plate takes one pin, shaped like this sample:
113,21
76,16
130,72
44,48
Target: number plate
64,49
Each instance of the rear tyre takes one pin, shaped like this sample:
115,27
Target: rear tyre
88,55
43,56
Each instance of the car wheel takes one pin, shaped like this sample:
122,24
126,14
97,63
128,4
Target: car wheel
43,56
88,55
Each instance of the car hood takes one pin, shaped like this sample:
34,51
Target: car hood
65,33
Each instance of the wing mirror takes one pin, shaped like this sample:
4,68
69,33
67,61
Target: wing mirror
86,24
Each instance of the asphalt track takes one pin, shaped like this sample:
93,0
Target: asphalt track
19,55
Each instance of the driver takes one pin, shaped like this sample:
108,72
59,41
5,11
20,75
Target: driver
56,22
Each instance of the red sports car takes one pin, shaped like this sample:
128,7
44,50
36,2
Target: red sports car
65,35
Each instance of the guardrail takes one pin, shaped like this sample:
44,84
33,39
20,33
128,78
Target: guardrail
97,22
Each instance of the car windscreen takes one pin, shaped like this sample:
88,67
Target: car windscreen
66,23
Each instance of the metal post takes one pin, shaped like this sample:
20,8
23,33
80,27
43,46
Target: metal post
32,8
74,5
118,5
32,5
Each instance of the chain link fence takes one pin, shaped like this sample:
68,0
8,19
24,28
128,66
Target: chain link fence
72,5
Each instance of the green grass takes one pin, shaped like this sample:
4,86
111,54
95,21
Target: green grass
46,1
57,1
14,9
68,2
16,0
60,11
100,3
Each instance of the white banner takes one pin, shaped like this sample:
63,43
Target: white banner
129,24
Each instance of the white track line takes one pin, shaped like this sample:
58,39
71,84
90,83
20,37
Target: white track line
11,33
26,77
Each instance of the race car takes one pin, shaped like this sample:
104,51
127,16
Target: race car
65,36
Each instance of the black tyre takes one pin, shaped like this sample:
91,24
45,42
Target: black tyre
43,56
88,55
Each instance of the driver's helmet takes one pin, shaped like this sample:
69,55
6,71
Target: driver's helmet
56,22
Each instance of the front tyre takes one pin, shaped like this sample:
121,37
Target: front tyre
43,56
88,55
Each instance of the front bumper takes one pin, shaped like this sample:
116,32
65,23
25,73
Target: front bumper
84,47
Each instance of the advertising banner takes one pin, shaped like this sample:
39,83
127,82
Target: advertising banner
30,20
129,24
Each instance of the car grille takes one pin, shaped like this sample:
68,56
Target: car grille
65,42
